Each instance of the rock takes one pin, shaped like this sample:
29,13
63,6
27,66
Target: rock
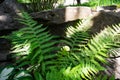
107,8
4,49
116,59
6,45
13,6
8,12
117,68
3,56
63,15
102,19
2,65
113,68
1,1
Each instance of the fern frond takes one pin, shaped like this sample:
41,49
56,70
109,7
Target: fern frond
37,44
92,54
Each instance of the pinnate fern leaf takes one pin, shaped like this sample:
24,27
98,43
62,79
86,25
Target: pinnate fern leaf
86,60
37,43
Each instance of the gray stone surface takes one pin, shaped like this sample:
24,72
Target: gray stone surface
116,58
4,49
3,56
8,12
63,15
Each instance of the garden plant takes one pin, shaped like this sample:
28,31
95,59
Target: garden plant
41,56
38,5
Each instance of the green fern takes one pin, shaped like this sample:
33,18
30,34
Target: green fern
34,46
84,59
80,58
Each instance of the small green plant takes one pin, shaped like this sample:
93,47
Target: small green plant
88,4
24,1
38,5
105,2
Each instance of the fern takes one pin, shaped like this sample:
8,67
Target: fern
34,45
84,62
80,58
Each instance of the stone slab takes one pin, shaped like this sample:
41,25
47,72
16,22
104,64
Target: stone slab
63,15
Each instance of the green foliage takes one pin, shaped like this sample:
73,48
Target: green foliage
81,56
86,53
24,1
11,73
34,46
6,72
38,5
94,3
105,2
89,4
